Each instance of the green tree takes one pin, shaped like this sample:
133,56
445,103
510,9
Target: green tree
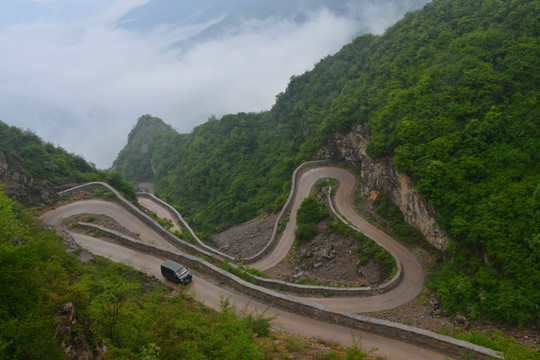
308,216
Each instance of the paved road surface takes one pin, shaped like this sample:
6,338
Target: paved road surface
412,281
110,209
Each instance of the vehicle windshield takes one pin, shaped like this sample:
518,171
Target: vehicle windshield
181,272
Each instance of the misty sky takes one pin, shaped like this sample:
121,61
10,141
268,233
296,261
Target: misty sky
68,74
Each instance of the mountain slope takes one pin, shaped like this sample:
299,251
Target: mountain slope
451,94
31,169
174,13
147,133
214,19
223,173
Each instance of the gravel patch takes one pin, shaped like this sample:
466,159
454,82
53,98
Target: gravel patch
247,239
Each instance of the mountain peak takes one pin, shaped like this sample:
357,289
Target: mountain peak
146,126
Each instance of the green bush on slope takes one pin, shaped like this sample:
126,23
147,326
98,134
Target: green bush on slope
33,157
135,316
308,216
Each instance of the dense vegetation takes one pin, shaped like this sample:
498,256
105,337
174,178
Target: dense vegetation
308,216
451,92
35,158
225,172
139,151
49,165
136,317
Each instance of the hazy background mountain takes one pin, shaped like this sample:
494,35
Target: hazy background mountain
79,73
211,19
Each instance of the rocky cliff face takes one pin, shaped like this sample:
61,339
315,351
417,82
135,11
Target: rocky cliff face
12,179
73,335
381,175
20,186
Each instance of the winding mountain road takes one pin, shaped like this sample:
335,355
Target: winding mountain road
412,278
211,293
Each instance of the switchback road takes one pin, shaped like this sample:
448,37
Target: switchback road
410,285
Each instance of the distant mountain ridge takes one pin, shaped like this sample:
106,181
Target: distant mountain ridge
220,17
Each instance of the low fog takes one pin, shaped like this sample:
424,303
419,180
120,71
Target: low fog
81,83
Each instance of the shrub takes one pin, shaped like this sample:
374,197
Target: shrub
306,232
310,211
308,216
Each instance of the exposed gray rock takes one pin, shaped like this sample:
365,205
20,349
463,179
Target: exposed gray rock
461,321
11,178
74,341
21,186
381,175
326,253
85,257
247,239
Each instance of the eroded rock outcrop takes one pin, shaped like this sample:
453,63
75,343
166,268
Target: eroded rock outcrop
74,341
11,178
24,188
381,175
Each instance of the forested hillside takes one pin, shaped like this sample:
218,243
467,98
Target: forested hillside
451,92
226,171
44,166
43,161
143,142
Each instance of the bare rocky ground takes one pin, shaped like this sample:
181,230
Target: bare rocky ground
331,260
328,259
247,239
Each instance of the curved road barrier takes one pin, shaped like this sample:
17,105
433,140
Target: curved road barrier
165,234
287,207
288,238
175,215
301,188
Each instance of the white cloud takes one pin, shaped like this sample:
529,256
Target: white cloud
83,86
